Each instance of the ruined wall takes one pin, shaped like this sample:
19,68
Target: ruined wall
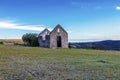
58,31
49,39
44,38
44,43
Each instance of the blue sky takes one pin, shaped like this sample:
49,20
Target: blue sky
85,20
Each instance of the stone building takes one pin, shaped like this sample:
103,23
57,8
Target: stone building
57,38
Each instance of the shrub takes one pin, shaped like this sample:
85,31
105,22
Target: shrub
1,42
17,44
30,39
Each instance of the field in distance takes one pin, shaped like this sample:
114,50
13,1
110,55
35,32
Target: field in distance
19,41
28,63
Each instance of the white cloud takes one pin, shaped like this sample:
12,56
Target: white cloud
69,31
13,25
117,7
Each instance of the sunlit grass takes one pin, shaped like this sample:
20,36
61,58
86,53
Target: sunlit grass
58,64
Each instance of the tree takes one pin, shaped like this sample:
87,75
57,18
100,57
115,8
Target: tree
30,39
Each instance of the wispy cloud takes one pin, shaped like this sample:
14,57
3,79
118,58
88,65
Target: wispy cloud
13,25
117,7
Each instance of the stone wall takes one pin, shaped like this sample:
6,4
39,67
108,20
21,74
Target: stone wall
53,37
49,39
44,43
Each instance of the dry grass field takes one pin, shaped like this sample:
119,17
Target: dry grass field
33,63
18,41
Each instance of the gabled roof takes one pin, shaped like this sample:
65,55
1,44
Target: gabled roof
58,26
45,30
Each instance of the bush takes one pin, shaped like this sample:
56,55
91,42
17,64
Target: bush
30,39
18,44
1,42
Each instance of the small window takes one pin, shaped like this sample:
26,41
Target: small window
43,37
46,32
58,30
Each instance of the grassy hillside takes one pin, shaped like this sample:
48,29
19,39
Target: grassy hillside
27,63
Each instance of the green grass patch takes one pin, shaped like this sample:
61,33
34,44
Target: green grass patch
29,63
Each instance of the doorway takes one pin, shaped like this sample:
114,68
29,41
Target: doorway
59,42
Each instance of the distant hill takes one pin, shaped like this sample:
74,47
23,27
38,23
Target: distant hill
103,45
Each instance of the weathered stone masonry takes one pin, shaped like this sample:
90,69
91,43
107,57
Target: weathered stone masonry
57,38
